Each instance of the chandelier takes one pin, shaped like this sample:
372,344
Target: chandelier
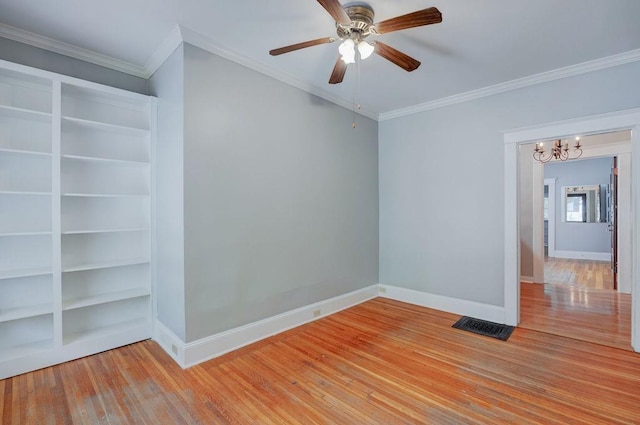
559,152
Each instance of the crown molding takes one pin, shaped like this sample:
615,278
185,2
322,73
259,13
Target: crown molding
163,51
544,77
46,43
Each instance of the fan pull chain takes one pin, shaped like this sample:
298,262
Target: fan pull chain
356,89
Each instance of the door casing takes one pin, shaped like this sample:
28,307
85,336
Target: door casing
615,121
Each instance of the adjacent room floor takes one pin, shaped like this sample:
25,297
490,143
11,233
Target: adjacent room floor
381,362
594,315
577,301
588,273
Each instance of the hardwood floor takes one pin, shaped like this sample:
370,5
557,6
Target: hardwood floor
591,274
593,315
381,362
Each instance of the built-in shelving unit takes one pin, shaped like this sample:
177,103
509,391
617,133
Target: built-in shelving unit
26,272
75,218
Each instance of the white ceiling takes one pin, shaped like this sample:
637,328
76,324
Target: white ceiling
480,43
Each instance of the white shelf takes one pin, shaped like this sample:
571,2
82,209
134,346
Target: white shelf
21,113
105,298
24,152
104,195
34,271
44,232
80,232
134,326
23,192
24,312
106,160
104,264
98,125
25,350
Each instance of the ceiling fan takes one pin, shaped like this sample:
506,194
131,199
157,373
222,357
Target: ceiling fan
354,23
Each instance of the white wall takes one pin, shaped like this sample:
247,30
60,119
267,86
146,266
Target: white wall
280,196
442,180
167,85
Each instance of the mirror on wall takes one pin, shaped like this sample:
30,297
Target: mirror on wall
584,204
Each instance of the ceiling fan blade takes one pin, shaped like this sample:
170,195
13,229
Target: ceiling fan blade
396,56
298,46
338,72
336,11
416,19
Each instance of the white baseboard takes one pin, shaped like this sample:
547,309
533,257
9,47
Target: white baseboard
583,255
527,279
170,342
192,353
438,302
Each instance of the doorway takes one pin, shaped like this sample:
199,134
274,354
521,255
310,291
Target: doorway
578,221
589,125
575,296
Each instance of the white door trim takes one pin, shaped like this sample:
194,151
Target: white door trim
620,120
538,222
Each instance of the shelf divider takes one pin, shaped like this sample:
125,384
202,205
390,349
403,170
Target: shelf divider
103,195
34,271
104,264
22,113
24,152
88,231
106,160
105,298
133,131
25,312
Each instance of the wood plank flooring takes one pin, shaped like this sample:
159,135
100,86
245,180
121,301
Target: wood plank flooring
381,362
593,315
591,274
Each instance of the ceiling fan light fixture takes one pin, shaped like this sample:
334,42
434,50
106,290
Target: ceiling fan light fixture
365,49
348,51
354,23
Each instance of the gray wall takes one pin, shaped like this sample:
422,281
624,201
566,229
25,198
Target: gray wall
442,179
584,237
167,85
281,197
38,58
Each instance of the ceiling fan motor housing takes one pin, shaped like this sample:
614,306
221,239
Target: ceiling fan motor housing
361,26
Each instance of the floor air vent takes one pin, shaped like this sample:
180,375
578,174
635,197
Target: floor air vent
484,327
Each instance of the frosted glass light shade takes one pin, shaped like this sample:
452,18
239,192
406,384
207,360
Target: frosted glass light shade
365,49
348,51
